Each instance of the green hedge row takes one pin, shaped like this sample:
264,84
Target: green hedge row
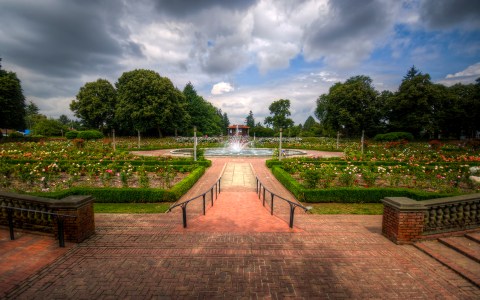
131,195
271,163
348,195
183,162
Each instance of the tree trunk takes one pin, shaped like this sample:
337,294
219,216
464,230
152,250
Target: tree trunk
138,131
159,132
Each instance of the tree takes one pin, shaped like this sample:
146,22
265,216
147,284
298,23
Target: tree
309,123
12,101
31,113
95,104
226,122
206,117
148,101
249,120
279,111
350,107
64,120
412,109
49,127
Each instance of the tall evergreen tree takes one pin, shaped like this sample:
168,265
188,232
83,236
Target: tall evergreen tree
412,109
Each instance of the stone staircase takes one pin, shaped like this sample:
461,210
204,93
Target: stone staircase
459,253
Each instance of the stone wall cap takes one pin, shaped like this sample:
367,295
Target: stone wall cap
74,201
404,203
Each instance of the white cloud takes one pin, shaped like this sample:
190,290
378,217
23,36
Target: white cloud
222,88
469,75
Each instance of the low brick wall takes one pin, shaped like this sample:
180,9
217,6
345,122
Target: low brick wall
77,228
406,220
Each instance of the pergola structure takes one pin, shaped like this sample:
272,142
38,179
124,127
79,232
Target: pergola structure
238,130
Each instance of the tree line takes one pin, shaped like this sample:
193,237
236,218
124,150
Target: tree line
143,101
353,107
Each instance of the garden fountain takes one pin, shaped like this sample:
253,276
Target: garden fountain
238,146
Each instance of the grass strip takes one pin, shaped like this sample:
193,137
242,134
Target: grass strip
346,208
131,208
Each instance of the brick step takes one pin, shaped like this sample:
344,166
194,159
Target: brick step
474,236
456,261
464,245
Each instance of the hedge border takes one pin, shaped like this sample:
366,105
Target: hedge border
132,195
349,195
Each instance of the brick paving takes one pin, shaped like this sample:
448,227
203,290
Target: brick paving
150,256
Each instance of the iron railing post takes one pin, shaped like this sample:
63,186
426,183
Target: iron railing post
271,204
61,232
10,223
203,204
211,194
292,213
184,215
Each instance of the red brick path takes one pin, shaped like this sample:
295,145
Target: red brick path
326,257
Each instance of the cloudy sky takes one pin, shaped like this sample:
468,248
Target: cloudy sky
241,55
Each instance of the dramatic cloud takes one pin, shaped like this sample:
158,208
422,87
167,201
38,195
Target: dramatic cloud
451,13
346,31
222,88
269,49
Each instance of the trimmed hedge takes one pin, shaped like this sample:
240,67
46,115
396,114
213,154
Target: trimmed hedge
90,135
393,136
131,195
348,195
71,134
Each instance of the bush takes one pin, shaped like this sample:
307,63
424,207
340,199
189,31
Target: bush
393,136
15,135
90,135
349,194
71,134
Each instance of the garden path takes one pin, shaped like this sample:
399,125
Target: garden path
150,256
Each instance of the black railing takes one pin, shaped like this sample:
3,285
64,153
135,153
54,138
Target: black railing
60,221
216,186
292,204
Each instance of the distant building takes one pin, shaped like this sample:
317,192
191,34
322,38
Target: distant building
240,130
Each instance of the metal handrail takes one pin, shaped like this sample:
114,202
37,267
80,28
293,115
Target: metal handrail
292,204
184,204
59,217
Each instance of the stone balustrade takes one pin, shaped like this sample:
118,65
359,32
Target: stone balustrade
36,214
406,220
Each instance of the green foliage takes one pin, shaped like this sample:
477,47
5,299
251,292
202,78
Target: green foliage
203,114
349,194
71,134
90,135
393,136
148,101
250,120
95,104
279,112
311,178
351,107
12,101
412,106
131,208
49,127
15,135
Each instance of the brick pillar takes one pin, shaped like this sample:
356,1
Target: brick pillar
83,226
403,219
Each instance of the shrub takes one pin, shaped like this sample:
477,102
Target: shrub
15,135
71,134
393,136
90,135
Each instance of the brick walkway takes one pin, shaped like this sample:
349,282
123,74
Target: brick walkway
325,257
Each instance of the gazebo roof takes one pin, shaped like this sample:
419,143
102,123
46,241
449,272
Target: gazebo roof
238,126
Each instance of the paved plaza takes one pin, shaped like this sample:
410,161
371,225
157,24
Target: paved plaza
238,250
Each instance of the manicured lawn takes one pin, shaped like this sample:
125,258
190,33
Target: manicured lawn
131,208
347,208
